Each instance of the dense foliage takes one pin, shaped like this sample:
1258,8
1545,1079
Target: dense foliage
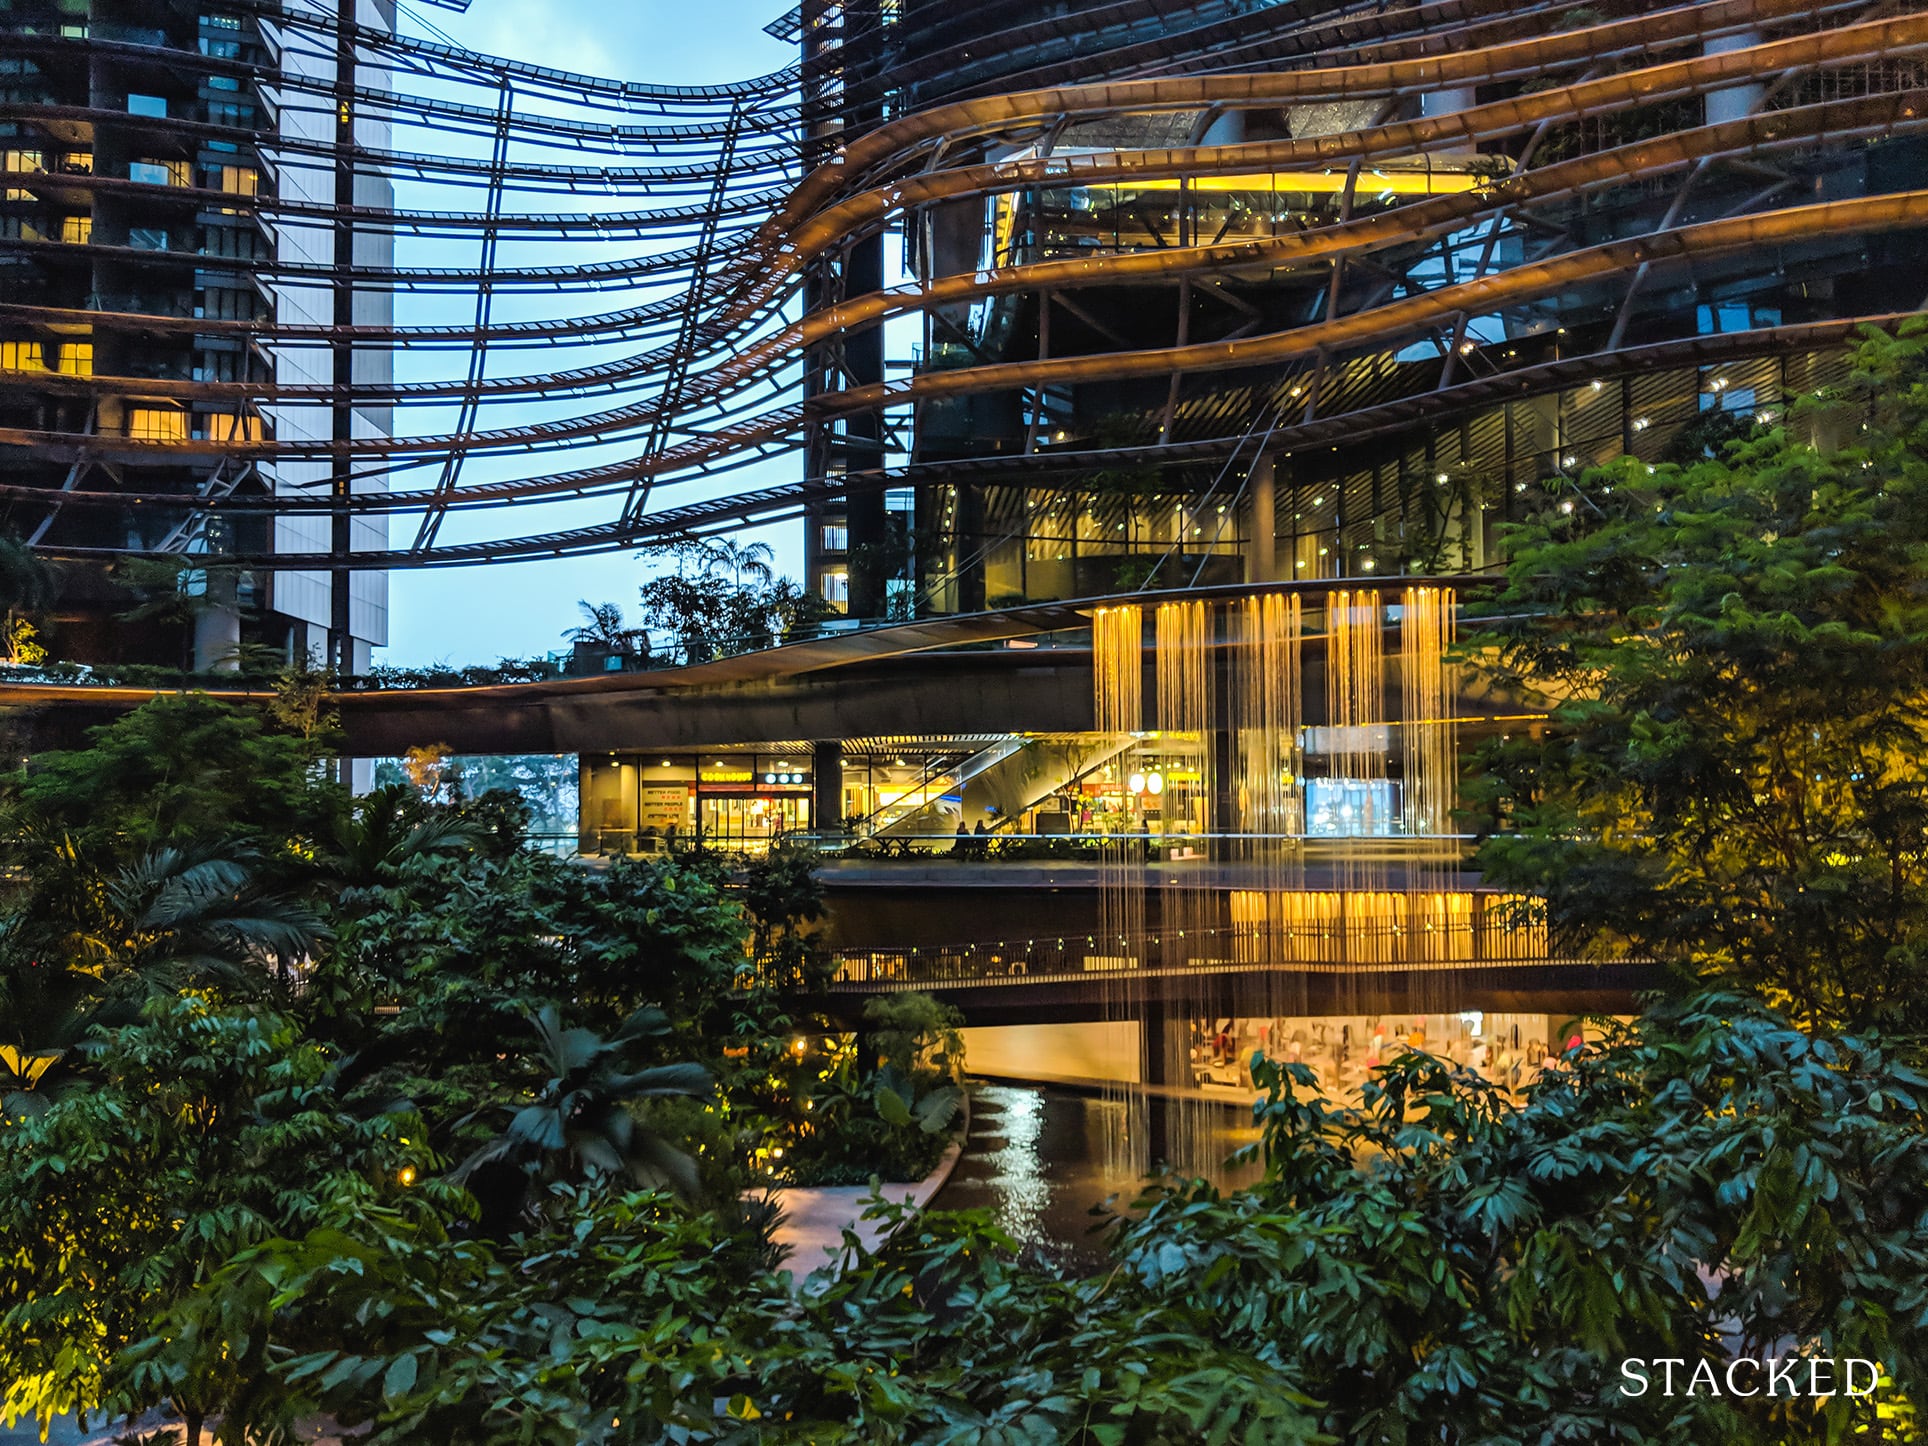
322,1107
1734,775
1439,1264
720,599
235,1001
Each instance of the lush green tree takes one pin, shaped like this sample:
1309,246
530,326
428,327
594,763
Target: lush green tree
384,1315
1441,1263
535,929
579,1126
303,703
28,584
203,1131
879,1104
84,949
182,771
783,897
603,628
721,599
372,845
1733,776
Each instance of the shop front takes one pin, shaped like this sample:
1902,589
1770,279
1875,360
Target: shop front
634,805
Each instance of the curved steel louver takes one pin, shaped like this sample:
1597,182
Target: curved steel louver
1366,222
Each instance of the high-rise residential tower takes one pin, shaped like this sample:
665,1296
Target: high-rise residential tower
180,181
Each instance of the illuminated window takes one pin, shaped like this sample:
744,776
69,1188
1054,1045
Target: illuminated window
22,162
80,163
76,230
836,588
236,180
21,356
224,427
76,359
157,424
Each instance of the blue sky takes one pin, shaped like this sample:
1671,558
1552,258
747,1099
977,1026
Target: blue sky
478,614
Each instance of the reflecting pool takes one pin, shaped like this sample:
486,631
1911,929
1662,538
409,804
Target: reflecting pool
1039,1159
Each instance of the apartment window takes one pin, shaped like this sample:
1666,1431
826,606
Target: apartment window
147,238
158,173
836,538
221,305
225,427
157,424
836,588
76,359
23,162
76,230
78,163
219,366
21,356
153,105
229,241
236,180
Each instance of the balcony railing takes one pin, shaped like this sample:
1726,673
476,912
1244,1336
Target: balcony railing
1339,947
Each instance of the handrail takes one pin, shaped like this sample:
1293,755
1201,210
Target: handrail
1339,948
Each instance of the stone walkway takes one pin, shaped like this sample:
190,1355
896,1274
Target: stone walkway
813,1220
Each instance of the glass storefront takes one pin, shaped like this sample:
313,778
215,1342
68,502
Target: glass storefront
1052,785
641,805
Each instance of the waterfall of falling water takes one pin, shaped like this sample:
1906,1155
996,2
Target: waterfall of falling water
1188,917
1267,725
1118,947
1358,733
1440,918
1185,687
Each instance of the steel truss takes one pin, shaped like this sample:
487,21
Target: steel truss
764,204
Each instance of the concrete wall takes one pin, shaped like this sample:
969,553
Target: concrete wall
1095,1051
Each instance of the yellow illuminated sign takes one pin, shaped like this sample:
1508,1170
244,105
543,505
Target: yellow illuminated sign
1369,183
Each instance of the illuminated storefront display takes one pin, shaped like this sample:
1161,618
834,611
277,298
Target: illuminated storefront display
1509,1050
642,805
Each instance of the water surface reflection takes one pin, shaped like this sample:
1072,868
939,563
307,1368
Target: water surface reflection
1039,1159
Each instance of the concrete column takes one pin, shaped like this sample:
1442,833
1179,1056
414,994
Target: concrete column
217,627
826,787
1261,555
1165,1055
1739,101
